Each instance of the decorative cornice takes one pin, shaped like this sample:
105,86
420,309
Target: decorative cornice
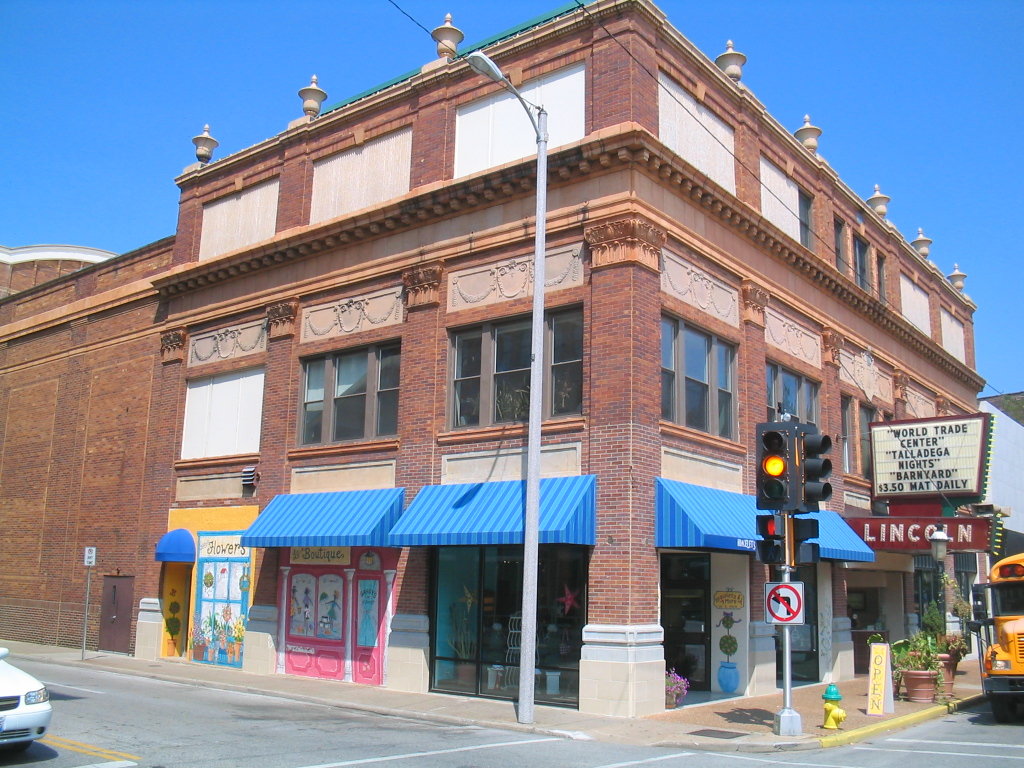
900,380
626,240
942,406
833,342
755,300
172,345
422,285
281,318
606,151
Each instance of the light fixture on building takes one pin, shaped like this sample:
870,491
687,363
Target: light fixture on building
250,476
312,97
205,144
939,540
731,62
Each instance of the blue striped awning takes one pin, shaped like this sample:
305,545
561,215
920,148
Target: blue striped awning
177,546
693,516
492,513
335,519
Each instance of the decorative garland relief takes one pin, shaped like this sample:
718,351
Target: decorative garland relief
227,343
697,288
512,279
351,315
793,338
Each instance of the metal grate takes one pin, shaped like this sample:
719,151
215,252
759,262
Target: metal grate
9,702
11,735
1019,639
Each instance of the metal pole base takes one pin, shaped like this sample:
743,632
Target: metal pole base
787,722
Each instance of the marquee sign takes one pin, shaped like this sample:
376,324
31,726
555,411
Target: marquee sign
943,457
966,534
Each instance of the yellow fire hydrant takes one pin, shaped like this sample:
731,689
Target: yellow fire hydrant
834,714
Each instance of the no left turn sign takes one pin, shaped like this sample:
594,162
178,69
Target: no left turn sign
784,602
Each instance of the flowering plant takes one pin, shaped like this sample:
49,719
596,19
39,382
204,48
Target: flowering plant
675,684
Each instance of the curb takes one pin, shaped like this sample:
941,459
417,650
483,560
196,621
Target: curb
904,721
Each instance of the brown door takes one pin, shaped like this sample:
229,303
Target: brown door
116,613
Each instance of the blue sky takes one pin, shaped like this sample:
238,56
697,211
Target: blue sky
101,100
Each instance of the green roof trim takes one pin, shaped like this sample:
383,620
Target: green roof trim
509,33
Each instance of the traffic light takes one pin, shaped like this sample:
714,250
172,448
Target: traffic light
776,476
771,549
814,467
802,529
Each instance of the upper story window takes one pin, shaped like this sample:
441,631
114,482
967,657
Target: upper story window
868,414
696,134
362,400
491,370
697,379
362,176
223,415
784,204
496,130
239,219
880,276
861,267
849,419
842,257
952,334
790,393
915,305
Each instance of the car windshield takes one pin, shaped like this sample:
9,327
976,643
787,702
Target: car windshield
1008,599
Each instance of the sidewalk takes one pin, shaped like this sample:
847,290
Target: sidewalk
723,725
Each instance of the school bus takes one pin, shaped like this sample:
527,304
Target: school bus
999,625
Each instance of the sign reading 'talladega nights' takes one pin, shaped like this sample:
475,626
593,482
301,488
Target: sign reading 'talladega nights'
922,458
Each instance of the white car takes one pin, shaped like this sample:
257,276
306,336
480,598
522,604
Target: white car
24,707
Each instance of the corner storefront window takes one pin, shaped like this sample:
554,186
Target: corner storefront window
477,621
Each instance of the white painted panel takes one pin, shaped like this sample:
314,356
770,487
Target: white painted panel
497,130
696,134
953,336
780,199
223,415
914,301
362,176
239,219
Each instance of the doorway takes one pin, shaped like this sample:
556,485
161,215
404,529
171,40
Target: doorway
116,614
685,611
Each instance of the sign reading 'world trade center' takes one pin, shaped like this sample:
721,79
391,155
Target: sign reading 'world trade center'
927,458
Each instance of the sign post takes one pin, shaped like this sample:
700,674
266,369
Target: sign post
784,604
89,561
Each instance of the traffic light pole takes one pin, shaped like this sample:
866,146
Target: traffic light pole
787,719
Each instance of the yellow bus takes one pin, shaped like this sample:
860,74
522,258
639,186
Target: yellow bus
999,624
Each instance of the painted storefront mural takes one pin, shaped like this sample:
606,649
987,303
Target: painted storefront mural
222,599
728,673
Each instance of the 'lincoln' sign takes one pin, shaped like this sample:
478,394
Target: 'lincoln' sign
966,534
940,457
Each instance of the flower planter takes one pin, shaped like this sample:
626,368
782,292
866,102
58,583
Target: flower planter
949,663
919,684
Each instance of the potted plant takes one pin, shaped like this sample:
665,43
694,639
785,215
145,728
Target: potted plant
198,640
462,635
173,625
951,649
676,687
917,661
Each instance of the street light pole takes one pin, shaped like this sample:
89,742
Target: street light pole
939,540
531,524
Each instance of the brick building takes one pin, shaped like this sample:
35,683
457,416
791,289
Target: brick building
295,430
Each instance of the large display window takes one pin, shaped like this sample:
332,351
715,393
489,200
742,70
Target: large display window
477,620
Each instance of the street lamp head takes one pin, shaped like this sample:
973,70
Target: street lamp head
940,543
481,64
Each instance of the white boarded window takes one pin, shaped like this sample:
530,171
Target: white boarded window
696,134
362,176
223,415
497,130
239,219
953,335
914,301
780,199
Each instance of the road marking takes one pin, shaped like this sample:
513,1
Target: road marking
936,752
368,760
73,687
957,743
642,762
769,761
118,764
86,749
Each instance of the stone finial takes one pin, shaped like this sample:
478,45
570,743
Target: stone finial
448,38
808,135
879,202
922,243
312,97
956,277
731,62
205,144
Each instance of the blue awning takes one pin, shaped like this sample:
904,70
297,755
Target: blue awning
693,516
492,513
335,519
177,546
